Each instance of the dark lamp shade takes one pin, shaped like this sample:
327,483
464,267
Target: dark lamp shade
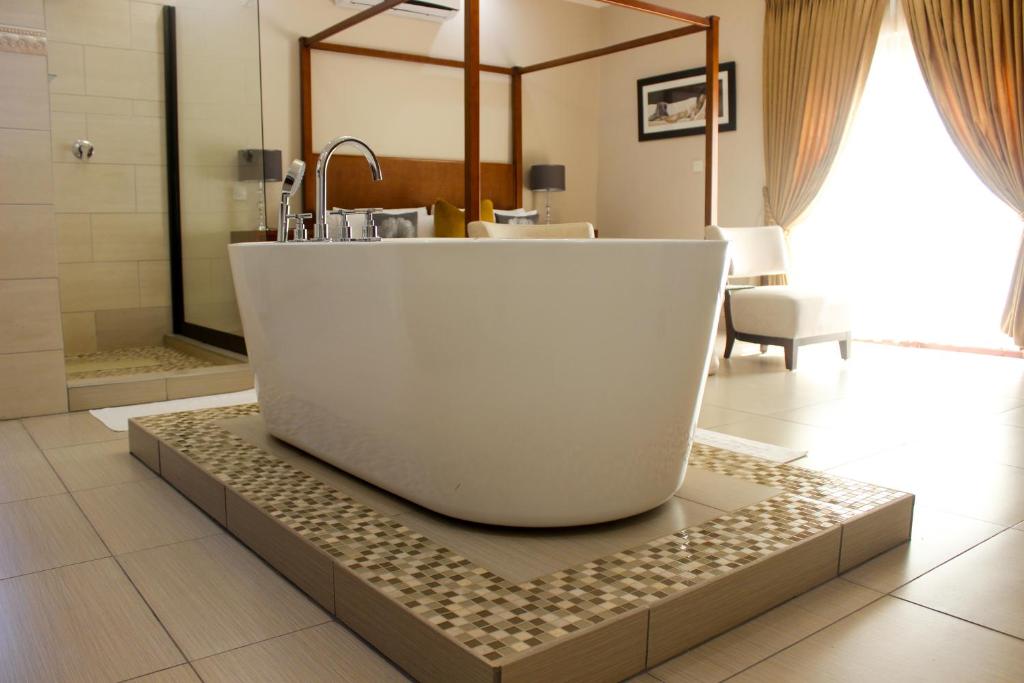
259,164
547,177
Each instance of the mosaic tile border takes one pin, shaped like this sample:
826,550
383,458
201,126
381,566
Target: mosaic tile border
154,359
495,620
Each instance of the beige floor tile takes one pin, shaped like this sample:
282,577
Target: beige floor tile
988,492
143,514
91,465
722,492
937,537
893,640
523,554
176,674
762,395
213,595
712,416
26,474
328,652
55,431
80,623
769,633
977,442
44,533
825,447
984,585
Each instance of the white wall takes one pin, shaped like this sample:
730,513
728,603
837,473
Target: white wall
416,111
649,189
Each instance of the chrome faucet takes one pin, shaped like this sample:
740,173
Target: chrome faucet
320,233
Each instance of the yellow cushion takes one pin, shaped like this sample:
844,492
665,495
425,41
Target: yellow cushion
450,221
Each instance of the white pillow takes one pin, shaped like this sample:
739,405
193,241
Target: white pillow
424,221
517,216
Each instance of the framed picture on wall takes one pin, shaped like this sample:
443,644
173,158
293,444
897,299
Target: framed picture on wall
672,105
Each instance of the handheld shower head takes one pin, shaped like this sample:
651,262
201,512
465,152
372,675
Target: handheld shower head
289,186
293,178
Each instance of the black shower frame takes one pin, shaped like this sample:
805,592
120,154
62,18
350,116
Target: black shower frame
208,335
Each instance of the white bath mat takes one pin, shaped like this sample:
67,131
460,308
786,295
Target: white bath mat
117,418
738,444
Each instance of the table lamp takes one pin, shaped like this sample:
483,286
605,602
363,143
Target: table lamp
547,178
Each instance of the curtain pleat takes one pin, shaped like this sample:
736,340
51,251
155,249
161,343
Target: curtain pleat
817,54
972,56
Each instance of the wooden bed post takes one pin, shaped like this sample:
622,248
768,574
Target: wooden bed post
711,131
472,114
517,136
306,117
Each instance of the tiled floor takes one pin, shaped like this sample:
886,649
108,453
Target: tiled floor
109,575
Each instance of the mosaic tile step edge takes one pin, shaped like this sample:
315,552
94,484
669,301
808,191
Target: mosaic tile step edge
441,617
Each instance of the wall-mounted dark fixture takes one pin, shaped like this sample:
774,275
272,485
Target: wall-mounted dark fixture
260,164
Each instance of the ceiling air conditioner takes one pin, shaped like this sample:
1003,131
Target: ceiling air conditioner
432,10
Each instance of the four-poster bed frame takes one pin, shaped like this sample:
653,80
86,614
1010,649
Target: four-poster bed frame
504,182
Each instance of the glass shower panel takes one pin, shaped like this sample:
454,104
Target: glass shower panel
220,160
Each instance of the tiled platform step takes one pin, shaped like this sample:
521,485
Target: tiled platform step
443,617
179,369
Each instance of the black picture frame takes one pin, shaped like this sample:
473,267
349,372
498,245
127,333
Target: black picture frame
694,82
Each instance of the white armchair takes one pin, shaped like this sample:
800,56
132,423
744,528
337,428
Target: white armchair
508,231
776,315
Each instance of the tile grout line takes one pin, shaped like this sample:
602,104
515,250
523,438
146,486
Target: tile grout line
954,616
880,596
118,563
929,571
330,620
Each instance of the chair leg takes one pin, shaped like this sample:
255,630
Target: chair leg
790,348
844,347
730,339
764,348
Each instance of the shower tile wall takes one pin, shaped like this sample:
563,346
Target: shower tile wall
31,353
106,85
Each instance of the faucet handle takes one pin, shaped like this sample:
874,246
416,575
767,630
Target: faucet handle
300,226
371,233
346,228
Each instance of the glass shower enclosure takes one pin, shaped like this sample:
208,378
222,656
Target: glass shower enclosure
215,159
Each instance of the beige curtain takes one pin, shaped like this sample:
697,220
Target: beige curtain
972,57
817,54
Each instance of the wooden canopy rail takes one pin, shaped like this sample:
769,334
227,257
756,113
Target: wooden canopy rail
472,68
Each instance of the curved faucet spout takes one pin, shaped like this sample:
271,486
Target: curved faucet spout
320,227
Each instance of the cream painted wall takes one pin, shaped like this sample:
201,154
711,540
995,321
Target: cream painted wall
416,111
649,189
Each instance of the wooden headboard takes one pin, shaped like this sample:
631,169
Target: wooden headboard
407,183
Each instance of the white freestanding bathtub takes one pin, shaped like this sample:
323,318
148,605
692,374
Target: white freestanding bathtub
513,382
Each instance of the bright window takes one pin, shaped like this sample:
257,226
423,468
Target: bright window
903,227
